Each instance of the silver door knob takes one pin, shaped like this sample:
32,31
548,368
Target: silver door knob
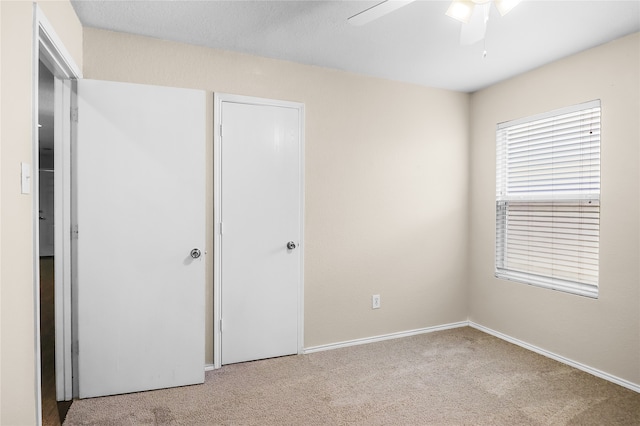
195,253
291,245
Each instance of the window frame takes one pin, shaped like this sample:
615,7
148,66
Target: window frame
533,210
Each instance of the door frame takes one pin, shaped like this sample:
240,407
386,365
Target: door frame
219,98
48,48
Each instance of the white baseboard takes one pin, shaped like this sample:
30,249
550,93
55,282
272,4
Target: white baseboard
384,337
209,367
606,376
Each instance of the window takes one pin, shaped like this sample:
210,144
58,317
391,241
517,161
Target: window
548,199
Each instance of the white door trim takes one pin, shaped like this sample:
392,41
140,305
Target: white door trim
62,253
48,47
219,98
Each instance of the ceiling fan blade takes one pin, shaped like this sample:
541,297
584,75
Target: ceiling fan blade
504,6
377,11
475,30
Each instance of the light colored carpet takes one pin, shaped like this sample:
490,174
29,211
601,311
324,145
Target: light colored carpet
453,377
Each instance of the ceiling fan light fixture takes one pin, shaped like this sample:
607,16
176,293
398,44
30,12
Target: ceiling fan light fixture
505,6
461,10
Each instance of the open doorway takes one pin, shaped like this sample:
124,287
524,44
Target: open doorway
53,412
53,71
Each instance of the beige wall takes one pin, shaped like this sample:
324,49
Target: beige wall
399,194
603,333
386,180
17,309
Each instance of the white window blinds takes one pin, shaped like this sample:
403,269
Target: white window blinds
548,199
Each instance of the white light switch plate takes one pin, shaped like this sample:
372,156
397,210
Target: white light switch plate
375,301
25,186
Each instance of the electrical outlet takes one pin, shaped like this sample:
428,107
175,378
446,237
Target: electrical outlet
375,301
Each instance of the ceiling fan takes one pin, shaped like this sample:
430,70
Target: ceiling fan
473,14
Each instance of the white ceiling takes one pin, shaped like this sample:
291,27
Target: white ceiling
417,43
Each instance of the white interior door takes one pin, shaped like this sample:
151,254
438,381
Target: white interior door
140,211
261,213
